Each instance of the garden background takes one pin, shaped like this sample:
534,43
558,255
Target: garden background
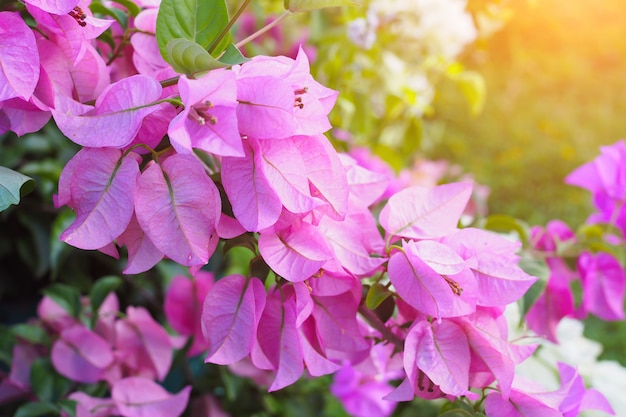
553,74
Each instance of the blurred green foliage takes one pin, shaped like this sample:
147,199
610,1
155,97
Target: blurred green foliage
555,82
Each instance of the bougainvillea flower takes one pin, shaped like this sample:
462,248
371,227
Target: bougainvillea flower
81,355
140,397
88,406
296,252
278,338
142,345
209,120
54,6
117,116
425,213
604,282
19,71
74,30
178,207
255,203
440,285
99,184
230,316
146,56
528,399
441,351
279,98
183,307
500,280
142,254
579,398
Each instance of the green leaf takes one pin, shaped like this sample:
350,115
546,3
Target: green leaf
188,57
376,295
297,6
540,269
100,291
13,186
46,382
98,8
66,296
505,224
69,406
31,333
59,250
472,85
130,5
198,21
233,56
40,409
457,413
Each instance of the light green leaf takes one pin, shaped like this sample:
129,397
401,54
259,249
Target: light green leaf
503,223
187,57
376,295
297,6
472,85
233,56
13,186
202,22
130,5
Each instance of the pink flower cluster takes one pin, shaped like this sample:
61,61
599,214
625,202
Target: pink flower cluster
129,353
173,169
598,273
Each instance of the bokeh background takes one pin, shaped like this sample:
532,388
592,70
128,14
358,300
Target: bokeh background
555,77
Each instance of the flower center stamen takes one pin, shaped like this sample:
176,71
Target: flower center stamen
199,114
454,286
78,15
298,102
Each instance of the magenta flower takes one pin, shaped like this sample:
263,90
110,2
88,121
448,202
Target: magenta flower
19,71
209,120
183,307
279,98
604,283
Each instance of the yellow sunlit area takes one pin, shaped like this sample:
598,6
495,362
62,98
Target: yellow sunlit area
556,91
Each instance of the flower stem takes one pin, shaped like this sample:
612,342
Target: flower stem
263,30
230,24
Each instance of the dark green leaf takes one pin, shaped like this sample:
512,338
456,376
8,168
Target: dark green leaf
457,413
188,57
233,56
59,250
100,291
7,341
259,269
246,240
40,409
46,382
69,406
66,296
38,226
31,333
13,186
198,21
